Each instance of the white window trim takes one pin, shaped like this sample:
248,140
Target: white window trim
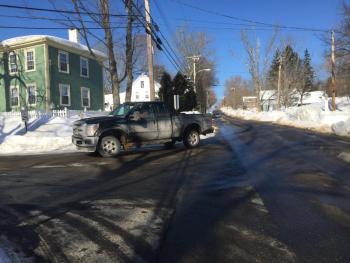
87,63
36,93
26,61
59,61
13,87
69,96
81,97
9,63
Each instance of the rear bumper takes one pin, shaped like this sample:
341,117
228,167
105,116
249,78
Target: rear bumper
88,144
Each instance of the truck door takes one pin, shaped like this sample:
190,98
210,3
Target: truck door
145,128
164,121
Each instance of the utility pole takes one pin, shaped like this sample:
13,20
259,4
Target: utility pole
194,60
279,84
149,51
334,88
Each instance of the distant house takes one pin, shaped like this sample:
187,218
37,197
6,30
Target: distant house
45,72
268,100
249,102
140,91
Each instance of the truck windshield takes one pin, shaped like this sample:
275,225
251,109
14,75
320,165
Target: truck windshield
122,110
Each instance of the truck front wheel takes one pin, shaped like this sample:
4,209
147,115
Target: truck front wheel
109,146
191,138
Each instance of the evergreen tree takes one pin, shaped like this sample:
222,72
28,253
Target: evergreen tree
308,72
273,71
166,90
184,89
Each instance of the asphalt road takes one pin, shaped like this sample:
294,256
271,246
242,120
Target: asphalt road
253,193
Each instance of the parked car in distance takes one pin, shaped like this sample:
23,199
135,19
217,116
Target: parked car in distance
217,114
137,123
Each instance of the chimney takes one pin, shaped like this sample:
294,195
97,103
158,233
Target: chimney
73,35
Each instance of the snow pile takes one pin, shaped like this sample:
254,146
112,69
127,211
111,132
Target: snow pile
311,116
190,112
45,134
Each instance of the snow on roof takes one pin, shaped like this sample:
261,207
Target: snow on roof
58,40
267,94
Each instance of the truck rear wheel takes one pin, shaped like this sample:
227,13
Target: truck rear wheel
109,146
191,138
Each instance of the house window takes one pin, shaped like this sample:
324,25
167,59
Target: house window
84,67
64,94
142,84
137,95
13,62
146,95
63,62
85,97
30,60
31,91
14,96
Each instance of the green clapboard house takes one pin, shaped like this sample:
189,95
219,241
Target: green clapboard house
41,72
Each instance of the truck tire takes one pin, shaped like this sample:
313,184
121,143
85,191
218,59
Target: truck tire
191,138
109,146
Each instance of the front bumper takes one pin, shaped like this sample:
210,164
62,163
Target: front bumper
88,144
210,130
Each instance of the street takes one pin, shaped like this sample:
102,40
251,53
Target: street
255,192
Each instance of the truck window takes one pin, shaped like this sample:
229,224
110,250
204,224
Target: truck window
145,109
162,110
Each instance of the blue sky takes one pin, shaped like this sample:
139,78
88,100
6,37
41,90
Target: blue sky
229,53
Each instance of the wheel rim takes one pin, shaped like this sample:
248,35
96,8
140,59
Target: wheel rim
193,138
109,146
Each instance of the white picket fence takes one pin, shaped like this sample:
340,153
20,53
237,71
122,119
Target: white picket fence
65,113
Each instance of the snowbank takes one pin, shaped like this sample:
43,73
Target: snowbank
313,116
45,134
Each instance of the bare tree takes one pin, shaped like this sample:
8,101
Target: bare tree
235,89
191,44
257,62
103,18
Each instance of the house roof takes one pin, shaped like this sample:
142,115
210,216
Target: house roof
56,40
139,78
268,94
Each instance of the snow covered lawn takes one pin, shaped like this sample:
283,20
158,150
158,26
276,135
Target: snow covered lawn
311,116
45,134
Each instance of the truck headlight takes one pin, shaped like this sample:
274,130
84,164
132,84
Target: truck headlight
91,129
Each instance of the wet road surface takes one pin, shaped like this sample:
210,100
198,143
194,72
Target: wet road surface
253,193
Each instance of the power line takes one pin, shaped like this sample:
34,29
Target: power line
56,10
169,29
252,28
248,20
167,42
58,28
47,18
156,39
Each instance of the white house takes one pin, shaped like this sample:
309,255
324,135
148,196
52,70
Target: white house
268,99
140,91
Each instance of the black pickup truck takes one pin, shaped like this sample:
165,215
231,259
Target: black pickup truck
137,123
